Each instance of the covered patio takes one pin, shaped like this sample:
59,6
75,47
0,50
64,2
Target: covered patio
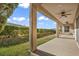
62,46
66,16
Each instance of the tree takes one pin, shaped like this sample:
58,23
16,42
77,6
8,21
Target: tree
6,9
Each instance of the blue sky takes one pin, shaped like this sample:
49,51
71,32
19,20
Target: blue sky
21,16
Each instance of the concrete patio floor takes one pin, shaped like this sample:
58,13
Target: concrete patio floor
65,45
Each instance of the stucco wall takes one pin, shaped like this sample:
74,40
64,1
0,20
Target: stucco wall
77,27
77,31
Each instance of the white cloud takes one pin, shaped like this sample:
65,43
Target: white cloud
8,19
47,19
18,18
14,18
40,23
54,23
43,18
27,19
24,5
21,18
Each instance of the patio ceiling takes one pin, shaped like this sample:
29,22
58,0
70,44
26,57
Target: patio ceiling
55,9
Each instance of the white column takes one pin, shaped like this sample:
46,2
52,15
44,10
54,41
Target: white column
57,30
62,29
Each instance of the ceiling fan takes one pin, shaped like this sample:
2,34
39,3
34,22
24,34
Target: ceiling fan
64,14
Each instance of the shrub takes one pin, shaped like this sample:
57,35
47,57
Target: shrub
13,35
13,41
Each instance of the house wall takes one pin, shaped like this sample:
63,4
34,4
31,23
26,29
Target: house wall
77,27
71,29
77,31
62,29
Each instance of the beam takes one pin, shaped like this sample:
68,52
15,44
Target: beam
47,13
76,14
33,27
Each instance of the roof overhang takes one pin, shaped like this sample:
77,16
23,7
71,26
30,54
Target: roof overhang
50,10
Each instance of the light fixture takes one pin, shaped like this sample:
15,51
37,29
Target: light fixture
66,22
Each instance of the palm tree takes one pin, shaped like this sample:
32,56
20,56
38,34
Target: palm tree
6,9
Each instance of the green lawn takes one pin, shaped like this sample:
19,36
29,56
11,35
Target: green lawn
22,49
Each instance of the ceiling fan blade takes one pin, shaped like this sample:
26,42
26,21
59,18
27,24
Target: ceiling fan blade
69,11
64,16
68,14
66,22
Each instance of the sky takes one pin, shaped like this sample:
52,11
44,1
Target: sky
20,16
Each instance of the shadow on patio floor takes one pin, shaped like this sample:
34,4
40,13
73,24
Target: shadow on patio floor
42,53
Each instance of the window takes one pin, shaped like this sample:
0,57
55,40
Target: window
66,28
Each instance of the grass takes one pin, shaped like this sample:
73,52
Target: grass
17,50
22,49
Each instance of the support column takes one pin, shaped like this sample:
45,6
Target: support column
33,27
57,30
60,29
